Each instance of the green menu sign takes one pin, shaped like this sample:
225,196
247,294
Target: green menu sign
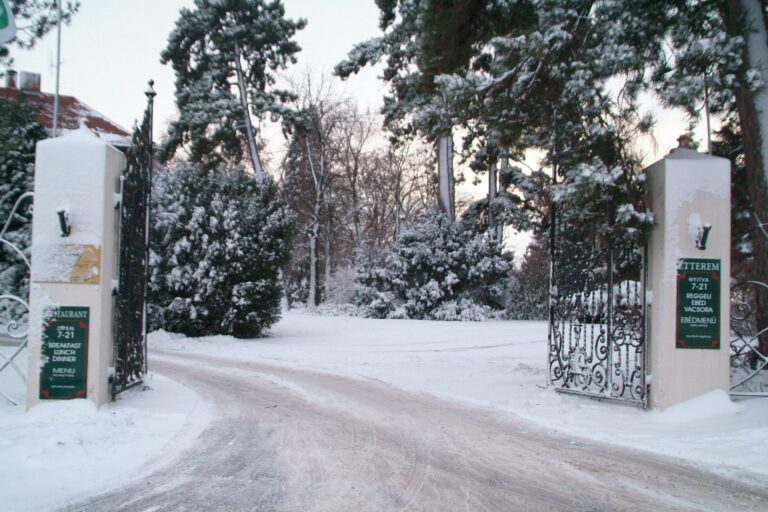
64,365
3,15
698,303
7,24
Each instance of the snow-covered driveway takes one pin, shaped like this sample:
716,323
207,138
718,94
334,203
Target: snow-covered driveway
500,365
287,439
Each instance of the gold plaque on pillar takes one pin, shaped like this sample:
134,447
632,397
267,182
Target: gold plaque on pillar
68,263
87,267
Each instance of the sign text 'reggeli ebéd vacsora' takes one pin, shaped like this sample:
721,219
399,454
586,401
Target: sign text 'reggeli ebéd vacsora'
698,303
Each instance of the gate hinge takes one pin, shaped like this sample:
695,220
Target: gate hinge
115,286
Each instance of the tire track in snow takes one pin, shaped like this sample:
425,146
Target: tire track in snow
289,440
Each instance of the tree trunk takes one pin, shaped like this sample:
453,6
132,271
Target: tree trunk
356,209
398,198
445,175
503,189
317,180
312,298
753,118
491,198
252,149
327,256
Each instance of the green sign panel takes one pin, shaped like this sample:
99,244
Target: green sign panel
7,25
64,364
3,15
698,303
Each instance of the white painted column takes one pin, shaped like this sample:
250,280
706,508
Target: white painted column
689,192
76,174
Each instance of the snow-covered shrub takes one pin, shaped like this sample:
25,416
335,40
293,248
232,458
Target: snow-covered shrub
19,132
219,240
437,270
333,309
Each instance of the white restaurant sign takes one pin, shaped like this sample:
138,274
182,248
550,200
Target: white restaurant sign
7,25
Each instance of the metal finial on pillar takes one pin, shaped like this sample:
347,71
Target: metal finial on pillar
684,141
150,92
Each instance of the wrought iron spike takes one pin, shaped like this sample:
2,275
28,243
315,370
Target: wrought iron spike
150,92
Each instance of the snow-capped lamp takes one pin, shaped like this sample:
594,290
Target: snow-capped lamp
698,230
702,233
64,225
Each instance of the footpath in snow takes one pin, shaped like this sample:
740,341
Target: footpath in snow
500,365
60,452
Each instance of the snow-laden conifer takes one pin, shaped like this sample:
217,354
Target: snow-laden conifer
219,239
437,270
19,133
225,54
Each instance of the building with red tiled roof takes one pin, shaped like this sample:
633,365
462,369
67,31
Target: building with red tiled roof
71,110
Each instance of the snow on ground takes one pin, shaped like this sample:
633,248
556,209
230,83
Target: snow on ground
60,451
500,365
78,450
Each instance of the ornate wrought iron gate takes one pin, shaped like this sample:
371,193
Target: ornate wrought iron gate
749,333
130,353
597,314
749,365
15,328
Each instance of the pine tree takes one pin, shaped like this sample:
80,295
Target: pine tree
19,133
220,238
437,270
719,54
421,40
529,289
220,47
728,143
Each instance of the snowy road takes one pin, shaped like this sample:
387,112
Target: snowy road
295,440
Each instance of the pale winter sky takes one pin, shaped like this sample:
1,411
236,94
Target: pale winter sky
112,47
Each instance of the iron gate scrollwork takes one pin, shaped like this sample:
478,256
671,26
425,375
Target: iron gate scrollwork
749,365
130,353
15,326
597,313
749,331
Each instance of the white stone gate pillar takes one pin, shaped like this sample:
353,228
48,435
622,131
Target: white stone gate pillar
689,276
74,257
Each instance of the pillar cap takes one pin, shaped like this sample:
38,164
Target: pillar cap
81,136
680,153
684,151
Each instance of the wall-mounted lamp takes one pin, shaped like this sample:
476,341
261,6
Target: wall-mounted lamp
701,236
64,226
